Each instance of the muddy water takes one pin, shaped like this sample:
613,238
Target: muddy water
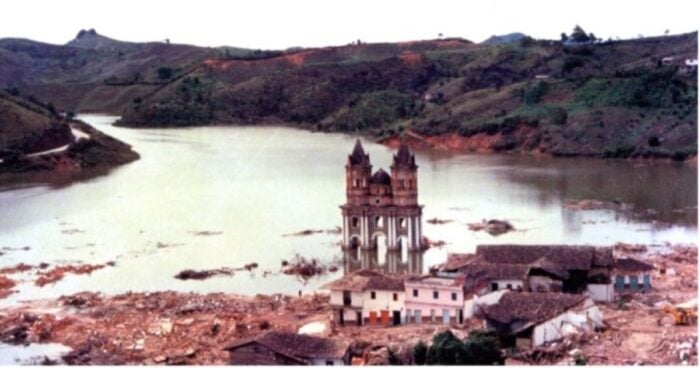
212,197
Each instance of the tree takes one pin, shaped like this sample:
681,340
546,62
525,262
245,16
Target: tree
446,349
420,353
564,37
483,348
579,35
165,73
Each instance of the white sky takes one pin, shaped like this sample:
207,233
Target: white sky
281,24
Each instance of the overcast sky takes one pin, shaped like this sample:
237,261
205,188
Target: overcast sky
282,24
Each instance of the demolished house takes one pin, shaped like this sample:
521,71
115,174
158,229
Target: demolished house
367,297
536,268
632,275
286,348
528,320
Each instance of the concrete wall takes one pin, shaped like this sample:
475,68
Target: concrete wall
503,284
601,292
383,301
356,298
543,283
586,319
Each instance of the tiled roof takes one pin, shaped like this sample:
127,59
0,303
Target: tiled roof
567,257
295,345
364,279
632,265
531,308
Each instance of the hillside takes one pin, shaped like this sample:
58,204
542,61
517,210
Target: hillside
604,99
613,99
34,138
93,72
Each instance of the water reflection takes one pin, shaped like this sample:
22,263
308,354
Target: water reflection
391,262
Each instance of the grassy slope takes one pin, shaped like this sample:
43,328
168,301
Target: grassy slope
606,100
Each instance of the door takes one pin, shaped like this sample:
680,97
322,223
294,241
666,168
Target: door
417,317
385,317
647,282
341,317
634,282
359,318
460,314
446,316
372,318
397,318
619,282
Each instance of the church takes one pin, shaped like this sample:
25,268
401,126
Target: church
382,209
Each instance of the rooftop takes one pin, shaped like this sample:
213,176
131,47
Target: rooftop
364,279
298,346
632,265
531,308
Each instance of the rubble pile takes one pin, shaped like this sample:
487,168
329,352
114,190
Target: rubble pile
6,284
154,328
427,242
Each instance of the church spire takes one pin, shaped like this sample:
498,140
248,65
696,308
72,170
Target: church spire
358,156
404,157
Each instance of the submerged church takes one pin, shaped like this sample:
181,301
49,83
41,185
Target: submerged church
382,209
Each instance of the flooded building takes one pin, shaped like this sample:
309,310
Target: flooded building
382,209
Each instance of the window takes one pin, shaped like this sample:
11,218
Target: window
377,201
402,184
494,286
329,362
415,293
396,297
373,295
454,296
355,222
509,287
378,219
356,183
435,294
402,222
347,297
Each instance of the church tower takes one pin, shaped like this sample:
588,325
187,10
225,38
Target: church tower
382,209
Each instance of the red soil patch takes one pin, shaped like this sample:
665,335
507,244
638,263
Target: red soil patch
410,58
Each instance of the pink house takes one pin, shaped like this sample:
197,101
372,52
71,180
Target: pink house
434,299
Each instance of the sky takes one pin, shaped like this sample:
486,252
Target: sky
278,24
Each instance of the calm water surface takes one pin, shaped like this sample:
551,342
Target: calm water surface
251,185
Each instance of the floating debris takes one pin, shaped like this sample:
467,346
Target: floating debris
58,272
437,221
335,231
205,274
206,233
72,231
493,227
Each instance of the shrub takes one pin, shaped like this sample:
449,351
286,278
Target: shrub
532,95
165,73
420,353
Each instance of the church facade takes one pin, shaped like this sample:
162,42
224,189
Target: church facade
382,209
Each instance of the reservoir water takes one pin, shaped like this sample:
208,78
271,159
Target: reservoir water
203,198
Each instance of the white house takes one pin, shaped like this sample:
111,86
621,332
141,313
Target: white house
533,319
367,297
631,275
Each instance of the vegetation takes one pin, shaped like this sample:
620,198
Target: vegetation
480,348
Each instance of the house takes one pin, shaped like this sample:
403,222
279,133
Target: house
537,268
285,348
367,297
632,275
528,320
434,299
